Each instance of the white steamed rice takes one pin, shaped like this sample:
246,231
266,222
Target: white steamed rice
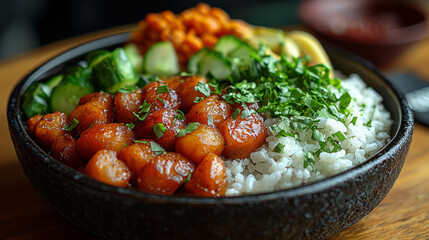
267,170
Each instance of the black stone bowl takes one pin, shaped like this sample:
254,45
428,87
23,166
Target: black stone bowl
314,211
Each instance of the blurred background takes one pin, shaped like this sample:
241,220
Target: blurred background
27,24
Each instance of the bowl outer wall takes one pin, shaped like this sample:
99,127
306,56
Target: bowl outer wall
314,211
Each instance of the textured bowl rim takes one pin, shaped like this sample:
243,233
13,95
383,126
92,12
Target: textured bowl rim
17,124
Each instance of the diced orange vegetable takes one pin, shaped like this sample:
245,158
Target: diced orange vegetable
243,136
212,106
101,99
105,167
160,100
88,114
165,174
31,123
63,149
50,127
137,155
209,178
126,105
187,91
197,144
112,136
166,117
174,83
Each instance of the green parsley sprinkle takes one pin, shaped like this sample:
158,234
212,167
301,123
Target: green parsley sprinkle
236,113
130,125
156,148
179,115
159,130
203,88
128,89
188,129
162,89
340,136
71,125
144,111
279,148
354,120
140,141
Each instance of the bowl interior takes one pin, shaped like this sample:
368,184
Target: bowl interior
345,62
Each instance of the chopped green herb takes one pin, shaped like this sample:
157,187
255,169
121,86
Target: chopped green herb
162,89
140,141
156,148
186,74
128,89
71,125
279,148
339,135
246,112
309,161
189,128
345,100
354,120
179,115
162,101
159,130
203,88
144,111
125,145
318,136
90,126
198,99
210,120
188,178
236,113
130,125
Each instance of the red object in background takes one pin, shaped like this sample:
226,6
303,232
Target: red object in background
378,30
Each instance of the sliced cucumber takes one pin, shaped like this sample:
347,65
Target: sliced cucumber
95,56
55,81
65,97
113,71
161,59
134,56
227,44
195,60
244,53
215,64
35,99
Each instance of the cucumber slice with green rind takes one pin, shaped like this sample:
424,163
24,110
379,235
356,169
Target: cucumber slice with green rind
113,71
95,56
215,64
195,60
55,81
227,44
134,56
244,53
161,59
78,83
35,99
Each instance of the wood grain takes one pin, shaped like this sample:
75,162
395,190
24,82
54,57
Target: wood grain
24,214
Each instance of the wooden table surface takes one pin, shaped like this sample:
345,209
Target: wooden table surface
24,214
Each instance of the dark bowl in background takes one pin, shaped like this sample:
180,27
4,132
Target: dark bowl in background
314,211
377,30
